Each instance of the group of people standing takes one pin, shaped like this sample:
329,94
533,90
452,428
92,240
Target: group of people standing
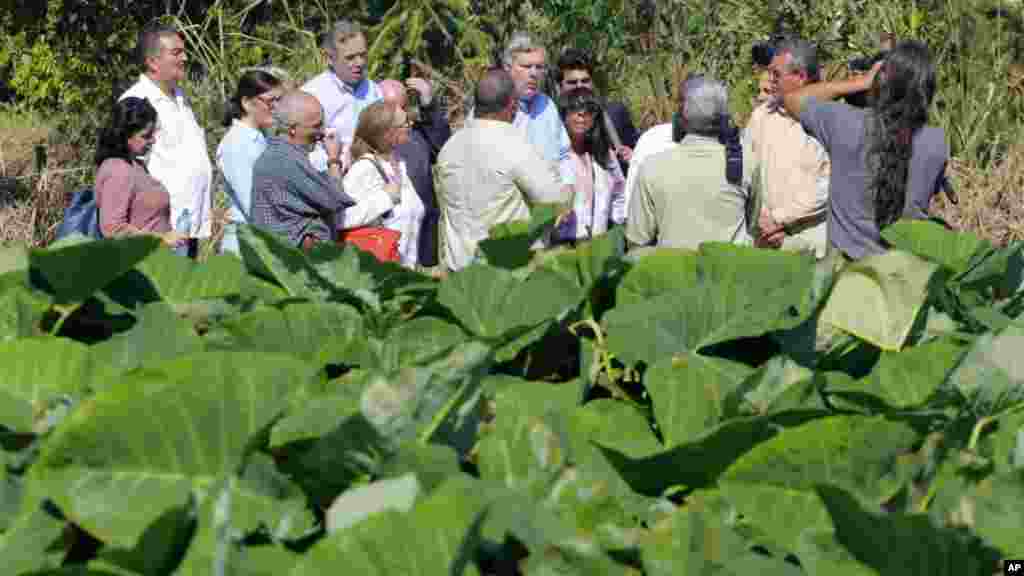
344,158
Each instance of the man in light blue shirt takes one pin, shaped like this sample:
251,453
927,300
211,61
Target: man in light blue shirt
538,115
343,89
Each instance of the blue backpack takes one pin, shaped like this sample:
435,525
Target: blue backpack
82,216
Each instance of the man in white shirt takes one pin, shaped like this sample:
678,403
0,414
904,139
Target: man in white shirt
178,158
343,89
488,173
791,168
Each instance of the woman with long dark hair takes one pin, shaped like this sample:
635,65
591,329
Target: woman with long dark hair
598,192
248,113
886,162
130,201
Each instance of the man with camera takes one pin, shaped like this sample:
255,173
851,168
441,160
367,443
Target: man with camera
789,169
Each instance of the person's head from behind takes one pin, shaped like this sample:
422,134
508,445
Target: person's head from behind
255,97
299,119
706,106
526,61
575,70
794,65
381,127
393,92
130,131
161,53
495,96
344,46
903,91
581,112
679,127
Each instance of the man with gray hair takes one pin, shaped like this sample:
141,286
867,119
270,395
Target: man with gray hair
536,114
289,196
789,167
683,195
488,173
343,89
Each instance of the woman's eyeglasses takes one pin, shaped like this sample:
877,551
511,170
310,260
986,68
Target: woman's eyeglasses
269,101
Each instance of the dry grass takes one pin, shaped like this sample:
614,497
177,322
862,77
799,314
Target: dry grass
991,202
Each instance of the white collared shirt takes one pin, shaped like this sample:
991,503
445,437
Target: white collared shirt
178,159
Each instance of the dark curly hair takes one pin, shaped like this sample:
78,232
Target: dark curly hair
903,90
596,140
129,116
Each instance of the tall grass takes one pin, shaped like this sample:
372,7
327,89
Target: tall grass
980,102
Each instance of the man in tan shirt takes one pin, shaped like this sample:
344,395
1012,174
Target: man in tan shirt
789,169
682,195
488,173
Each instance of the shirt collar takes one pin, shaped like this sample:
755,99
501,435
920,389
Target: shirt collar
154,90
254,134
345,88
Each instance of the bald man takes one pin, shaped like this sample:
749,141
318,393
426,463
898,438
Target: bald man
289,196
429,133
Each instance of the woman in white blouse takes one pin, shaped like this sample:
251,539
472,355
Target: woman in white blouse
599,188
377,180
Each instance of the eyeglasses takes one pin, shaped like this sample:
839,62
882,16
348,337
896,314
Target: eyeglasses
269,101
577,82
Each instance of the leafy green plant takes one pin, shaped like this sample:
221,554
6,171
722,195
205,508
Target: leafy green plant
288,412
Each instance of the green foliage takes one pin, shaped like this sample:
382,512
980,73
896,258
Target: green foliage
289,411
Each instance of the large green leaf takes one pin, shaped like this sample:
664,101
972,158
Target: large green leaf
75,272
778,515
509,245
319,333
542,449
163,436
689,392
857,453
38,372
494,304
33,542
179,280
779,385
911,543
588,265
698,540
340,265
695,464
905,379
439,402
355,505
413,342
663,270
267,256
991,374
21,308
438,536
618,425
158,335
995,510
879,297
740,292
953,250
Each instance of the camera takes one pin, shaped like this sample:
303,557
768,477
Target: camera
861,65
763,52
864,63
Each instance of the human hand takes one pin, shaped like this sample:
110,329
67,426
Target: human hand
332,145
172,238
423,87
625,153
771,232
867,79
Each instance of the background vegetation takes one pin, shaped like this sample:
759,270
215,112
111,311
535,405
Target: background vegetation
62,62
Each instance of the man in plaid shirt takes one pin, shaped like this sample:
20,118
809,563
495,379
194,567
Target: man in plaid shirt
289,196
